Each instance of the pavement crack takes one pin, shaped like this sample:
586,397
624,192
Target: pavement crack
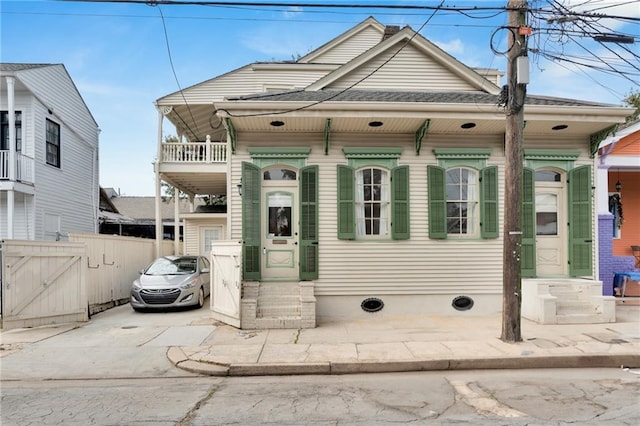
187,420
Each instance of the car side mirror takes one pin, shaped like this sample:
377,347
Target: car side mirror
205,270
141,271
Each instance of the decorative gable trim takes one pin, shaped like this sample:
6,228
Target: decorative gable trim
367,23
419,42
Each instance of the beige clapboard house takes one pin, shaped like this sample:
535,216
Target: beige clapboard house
367,178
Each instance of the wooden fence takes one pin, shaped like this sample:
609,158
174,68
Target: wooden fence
113,262
46,282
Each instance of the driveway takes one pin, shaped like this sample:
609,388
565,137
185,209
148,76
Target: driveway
117,343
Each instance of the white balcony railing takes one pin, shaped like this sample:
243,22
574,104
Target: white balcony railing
24,167
194,152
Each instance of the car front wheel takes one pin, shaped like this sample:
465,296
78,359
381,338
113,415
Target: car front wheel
200,297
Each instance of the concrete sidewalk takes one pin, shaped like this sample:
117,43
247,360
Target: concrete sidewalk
123,343
412,344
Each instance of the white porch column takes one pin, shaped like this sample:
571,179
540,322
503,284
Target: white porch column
176,221
12,154
602,182
158,187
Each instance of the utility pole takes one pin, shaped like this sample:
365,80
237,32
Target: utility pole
517,77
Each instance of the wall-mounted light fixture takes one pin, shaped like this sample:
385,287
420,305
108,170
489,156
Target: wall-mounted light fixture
240,188
618,183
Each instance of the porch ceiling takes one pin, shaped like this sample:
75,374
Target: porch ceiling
198,121
197,183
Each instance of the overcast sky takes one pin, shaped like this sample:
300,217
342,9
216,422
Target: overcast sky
117,55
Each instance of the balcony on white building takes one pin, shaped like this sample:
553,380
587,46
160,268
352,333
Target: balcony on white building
195,167
24,167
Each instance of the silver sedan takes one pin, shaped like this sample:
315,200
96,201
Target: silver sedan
172,281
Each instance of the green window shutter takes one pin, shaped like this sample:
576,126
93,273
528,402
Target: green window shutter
528,245
400,203
489,220
437,203
309,223
251,221
580,238
346,203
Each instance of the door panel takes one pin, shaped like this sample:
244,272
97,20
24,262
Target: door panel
550,234
280,224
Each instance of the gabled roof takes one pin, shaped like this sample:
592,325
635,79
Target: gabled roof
407,36
355,95
21,67
369,23
22,73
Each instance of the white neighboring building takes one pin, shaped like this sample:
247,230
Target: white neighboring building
48,155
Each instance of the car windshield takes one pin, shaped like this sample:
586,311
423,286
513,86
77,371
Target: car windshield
166,266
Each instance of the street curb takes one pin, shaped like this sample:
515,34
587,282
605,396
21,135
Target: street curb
180,360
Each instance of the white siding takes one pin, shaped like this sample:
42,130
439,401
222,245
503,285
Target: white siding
416,266
70,191
410,69
351,47
54,88
245,81
193,231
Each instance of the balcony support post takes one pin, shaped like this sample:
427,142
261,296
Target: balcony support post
12,154
176,221
158,212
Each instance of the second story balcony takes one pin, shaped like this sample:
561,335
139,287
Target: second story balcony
195,167
24,167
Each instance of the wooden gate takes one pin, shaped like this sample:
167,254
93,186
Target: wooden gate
43,283
226,284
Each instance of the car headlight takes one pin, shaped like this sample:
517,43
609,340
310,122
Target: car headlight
189,284
137,285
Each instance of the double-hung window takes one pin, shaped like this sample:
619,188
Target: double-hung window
462,201
372,201
463,195
4,130
373,195
53,143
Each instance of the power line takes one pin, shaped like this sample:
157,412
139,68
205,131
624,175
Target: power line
415,33
166,38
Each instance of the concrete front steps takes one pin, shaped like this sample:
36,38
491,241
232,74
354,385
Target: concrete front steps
278,305
566,301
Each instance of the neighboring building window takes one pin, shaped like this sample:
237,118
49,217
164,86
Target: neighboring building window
209,236
372,202
53,143
4,129
615,208
462,201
